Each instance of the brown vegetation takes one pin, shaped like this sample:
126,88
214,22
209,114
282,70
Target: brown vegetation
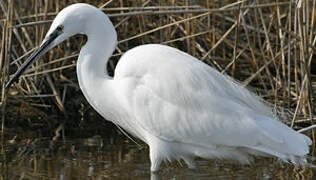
268,45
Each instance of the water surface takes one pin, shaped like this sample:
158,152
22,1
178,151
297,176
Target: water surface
118,158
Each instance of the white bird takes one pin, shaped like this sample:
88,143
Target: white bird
179,106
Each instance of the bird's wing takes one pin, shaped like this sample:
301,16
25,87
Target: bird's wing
177,98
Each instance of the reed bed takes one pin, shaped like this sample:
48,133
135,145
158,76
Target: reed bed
266,45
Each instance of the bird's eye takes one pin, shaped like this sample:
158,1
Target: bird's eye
60,28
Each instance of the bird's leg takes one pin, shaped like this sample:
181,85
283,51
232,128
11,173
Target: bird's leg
155,159
190,162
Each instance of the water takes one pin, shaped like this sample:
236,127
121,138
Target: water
117,158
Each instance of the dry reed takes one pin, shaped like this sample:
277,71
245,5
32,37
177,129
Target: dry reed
268,45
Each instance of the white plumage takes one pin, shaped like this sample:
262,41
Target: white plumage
179,106
189,109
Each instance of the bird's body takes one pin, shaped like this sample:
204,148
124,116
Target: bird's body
179,106
182,108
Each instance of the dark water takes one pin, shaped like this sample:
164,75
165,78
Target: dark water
116,158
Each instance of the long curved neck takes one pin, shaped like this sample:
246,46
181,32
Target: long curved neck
93,78
93,58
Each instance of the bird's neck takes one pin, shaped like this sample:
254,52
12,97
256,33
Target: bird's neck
93,77
93,58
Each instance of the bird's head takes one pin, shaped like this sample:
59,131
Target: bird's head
72,20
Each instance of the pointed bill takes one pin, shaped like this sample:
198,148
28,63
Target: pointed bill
43,48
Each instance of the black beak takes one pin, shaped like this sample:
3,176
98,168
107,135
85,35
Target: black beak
36,54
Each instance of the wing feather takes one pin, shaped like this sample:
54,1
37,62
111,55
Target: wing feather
178,98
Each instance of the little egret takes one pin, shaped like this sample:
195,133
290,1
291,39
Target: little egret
179,106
